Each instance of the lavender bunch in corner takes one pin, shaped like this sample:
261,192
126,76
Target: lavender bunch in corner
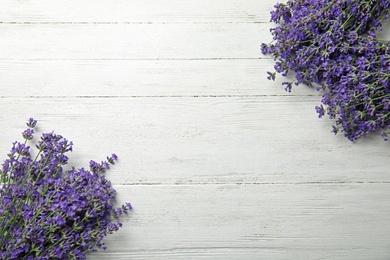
332,44
47,212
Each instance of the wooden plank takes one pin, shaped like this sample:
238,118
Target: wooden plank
131,11
335,221
224,140
132,41
126,78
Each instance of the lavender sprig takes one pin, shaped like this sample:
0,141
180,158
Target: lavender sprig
332,45
49,213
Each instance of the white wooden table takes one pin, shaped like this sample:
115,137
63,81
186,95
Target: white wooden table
218,162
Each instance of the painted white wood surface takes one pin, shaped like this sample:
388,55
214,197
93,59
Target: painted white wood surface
132,11
218,162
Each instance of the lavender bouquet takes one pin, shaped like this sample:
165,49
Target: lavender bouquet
332,45
47,212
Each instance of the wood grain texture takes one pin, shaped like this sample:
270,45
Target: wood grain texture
219,162
132,11
141,78
189,140
132,41
196,222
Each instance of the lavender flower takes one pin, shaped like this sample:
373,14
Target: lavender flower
49,213
332,45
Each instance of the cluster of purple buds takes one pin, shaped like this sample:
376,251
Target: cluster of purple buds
47,212
332,45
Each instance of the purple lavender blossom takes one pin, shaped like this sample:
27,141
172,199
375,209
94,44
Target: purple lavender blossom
49,213
332,45
31,122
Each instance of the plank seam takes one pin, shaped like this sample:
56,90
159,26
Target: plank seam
254,183
144,59
162,96
118,23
